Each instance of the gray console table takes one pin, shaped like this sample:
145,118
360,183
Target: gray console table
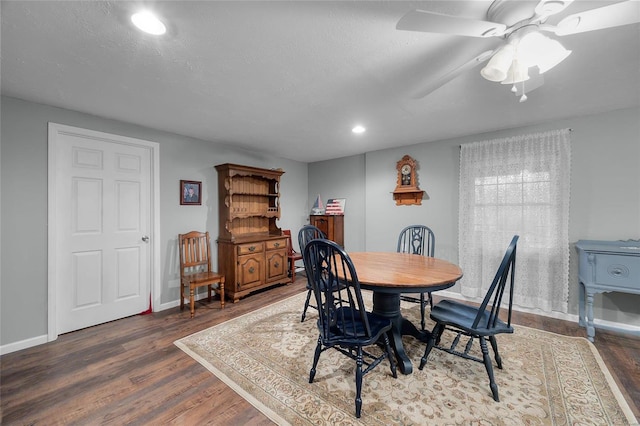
605,266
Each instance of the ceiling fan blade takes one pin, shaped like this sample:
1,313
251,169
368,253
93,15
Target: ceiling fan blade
441,81
432,22
615,15
551,7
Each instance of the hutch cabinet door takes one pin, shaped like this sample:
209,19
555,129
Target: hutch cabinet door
276,265
250,271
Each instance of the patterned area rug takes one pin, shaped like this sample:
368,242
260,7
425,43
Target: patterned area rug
547,379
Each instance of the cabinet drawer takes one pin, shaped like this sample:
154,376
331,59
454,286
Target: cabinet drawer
276,244
617,270
250,248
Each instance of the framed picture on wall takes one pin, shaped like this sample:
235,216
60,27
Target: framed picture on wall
190,193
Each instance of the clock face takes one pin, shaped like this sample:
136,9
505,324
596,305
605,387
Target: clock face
406,169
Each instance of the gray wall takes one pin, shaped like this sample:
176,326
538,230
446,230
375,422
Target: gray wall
23,171
605,194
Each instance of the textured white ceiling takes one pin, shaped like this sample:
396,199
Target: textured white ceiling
292,78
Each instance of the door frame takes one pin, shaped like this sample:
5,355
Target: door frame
154,246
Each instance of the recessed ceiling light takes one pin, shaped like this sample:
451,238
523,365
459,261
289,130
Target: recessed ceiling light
148,22
358,129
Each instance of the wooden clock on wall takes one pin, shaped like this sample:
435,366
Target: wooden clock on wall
407,191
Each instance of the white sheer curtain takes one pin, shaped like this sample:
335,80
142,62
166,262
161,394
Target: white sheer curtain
517,185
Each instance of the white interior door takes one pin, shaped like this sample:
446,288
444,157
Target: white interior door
103,201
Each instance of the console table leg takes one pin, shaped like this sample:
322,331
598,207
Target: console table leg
591,331
581,303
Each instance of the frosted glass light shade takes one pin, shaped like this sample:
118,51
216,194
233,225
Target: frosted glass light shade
498,66
556,54
538,50
517,72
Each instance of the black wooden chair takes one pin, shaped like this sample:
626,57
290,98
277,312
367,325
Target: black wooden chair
417,239
343,321
306,234
477,322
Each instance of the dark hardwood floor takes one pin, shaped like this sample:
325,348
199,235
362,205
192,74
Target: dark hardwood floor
130,372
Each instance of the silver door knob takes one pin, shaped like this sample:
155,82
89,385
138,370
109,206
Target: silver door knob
145,239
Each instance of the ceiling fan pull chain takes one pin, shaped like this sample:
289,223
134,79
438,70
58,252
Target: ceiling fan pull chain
524,96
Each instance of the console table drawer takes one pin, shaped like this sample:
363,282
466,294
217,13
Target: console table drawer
618,270
605,266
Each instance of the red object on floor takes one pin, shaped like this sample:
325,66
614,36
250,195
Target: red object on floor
148,311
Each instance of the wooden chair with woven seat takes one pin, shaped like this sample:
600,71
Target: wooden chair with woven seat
195,268
292,255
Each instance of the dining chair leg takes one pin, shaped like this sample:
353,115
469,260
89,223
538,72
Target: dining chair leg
422,310
359,382
487,364
494,345
192,300
221,291
292,271
390,356
306,305
181,295
316,357
435,335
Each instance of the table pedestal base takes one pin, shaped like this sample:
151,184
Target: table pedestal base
388,306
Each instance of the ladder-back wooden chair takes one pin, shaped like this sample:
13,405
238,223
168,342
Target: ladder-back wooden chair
292,255
195,268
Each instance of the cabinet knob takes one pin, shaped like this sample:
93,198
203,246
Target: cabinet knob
276,245
252,248
276,264
251,270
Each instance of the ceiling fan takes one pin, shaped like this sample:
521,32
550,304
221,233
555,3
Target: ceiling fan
525,53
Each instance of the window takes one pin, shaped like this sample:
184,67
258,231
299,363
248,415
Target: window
518,186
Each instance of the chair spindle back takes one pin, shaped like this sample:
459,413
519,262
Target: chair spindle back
495,293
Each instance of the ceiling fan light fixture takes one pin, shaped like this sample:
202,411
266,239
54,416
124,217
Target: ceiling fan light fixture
535,49
556,53
498,66
517,73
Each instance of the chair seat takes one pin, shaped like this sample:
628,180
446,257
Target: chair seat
203,278
195,268
356,329
462,316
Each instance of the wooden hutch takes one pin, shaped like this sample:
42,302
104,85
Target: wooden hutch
331,225
252,252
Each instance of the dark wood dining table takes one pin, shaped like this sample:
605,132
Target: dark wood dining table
390,274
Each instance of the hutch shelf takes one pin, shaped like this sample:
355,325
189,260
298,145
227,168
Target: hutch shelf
252,251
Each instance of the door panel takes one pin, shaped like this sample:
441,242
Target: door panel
103,193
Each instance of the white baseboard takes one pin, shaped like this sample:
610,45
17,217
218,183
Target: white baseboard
23,344
176,303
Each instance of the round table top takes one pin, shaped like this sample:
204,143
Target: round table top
403,272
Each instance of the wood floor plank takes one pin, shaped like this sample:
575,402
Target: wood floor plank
130,372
